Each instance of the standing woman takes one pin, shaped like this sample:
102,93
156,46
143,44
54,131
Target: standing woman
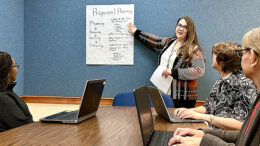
182,56
13,110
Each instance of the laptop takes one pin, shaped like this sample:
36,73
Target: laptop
150,136
161,109
88,106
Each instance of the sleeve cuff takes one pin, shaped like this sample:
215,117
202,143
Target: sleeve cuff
175,73
137,33
212,140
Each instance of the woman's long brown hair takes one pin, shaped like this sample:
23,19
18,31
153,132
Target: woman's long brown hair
187,50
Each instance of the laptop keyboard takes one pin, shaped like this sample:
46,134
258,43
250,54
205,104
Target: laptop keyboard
174,117
188,120
161,138
166,136
55,115
69,116
177,118
63,115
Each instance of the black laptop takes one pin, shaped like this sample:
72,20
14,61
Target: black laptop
161,108
88,106
150,136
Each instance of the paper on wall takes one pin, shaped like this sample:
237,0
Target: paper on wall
108,41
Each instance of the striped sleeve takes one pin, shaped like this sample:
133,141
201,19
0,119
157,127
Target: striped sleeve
151,40
195,71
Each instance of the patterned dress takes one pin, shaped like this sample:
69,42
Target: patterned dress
231,97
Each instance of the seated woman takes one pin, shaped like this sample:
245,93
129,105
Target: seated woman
231,97
13,110
249,134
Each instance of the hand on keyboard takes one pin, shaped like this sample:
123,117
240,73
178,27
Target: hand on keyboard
190,114
178,111
189,141
188,132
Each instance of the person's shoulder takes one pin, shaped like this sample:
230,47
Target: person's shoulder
242,79
240,76
173,38
196,48
5,97
197,51
217,83
193,46
169,39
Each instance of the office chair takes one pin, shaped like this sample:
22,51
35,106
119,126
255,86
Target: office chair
127,99
167,100
124,99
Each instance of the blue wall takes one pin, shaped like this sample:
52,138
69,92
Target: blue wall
12,35
55,41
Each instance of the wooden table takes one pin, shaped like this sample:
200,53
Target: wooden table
112,126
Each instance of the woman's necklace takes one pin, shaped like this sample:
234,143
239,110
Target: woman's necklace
174,49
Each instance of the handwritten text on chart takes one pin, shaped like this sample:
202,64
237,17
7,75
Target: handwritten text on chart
107,38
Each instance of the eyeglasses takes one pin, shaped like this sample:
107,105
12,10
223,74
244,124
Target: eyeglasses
16,65
182,26
240,52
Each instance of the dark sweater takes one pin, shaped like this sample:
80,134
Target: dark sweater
13,110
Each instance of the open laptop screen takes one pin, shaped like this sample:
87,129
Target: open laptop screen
93,92
158,102
144,113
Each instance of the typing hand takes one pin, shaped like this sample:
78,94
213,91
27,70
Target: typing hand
188,132
190,114
178,111
184,141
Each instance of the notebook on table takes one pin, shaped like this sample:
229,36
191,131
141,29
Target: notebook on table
88,106
150,136
161,108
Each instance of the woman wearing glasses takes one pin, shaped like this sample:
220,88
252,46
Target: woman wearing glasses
181,56
249,134
231,97
13,111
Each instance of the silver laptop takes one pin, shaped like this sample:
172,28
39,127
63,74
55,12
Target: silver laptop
88,106
161,109
150,136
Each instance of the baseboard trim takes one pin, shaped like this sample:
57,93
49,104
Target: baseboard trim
73,100
60,99
199,103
